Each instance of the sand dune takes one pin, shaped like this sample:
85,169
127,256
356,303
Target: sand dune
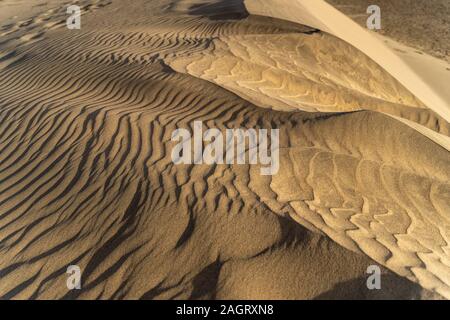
405,22
309,80
425,84
86,176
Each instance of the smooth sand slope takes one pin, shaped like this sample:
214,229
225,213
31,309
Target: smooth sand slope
86,176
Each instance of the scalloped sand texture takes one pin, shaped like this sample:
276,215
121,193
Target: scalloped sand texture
87,179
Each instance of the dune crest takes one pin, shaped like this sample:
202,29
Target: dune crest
87,178
321,15
290,72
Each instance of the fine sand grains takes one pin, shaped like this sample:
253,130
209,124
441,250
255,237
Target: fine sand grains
86,176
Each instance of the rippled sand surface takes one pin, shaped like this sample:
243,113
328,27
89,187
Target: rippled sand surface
87,179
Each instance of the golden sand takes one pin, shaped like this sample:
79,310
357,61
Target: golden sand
87,179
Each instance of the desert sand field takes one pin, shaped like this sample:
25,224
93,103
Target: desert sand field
87,177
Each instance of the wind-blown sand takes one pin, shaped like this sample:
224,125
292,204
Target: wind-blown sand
86,176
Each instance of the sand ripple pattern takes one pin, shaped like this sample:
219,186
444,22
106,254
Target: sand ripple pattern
295,72
86,176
